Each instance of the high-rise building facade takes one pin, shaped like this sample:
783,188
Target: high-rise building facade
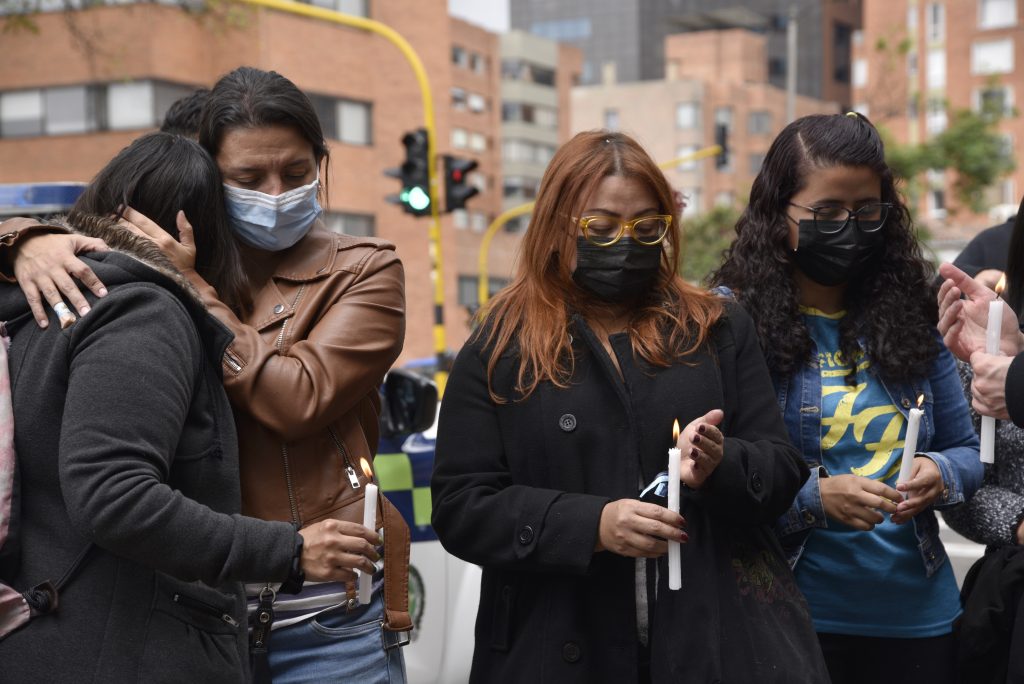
623,40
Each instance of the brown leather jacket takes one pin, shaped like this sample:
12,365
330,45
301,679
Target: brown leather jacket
302,375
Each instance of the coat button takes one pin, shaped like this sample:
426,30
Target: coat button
567,422
905,402
278,308
755,483
571,652
809,517
526,535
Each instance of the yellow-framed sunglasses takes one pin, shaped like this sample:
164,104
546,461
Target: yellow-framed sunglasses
605,231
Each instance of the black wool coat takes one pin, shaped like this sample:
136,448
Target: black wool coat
519,487
126,443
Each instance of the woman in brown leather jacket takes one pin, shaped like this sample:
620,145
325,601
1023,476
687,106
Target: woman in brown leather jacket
325,322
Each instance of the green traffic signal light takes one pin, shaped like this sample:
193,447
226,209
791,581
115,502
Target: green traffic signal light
417,198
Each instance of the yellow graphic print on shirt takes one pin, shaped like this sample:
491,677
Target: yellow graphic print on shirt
876,429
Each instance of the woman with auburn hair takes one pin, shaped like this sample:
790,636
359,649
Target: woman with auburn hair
827,264
559,412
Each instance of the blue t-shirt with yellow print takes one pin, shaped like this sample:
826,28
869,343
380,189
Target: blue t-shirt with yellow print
866,583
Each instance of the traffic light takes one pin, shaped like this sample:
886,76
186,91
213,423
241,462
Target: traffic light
414,175
722,140
456,188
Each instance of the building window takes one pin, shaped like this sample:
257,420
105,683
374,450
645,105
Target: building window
460,219
354,125
860,72
911,68
477,103
759,123
521,70
520,187
459,56
935,22
912,106
611,119
776,67
936,66
935,117
686,164
691,196
912,19
994,14
723,199
351,223
841,49
538,115
71,110
863,108
478,142
130,105
756,161
478,221
460,139
563,30
994,100
359,8
21,113
992,57
478,63
469,288
458,98
687,115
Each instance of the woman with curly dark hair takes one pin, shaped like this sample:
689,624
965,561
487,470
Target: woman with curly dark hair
826,263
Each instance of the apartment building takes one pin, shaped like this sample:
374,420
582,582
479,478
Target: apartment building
917,62
712,77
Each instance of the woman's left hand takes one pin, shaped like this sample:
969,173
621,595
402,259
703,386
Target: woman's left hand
923,487
701,444
182,254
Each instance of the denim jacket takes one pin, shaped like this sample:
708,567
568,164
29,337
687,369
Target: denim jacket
946,436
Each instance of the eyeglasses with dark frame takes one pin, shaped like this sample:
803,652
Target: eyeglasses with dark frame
876,211
605,231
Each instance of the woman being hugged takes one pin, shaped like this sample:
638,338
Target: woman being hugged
560,409
827,265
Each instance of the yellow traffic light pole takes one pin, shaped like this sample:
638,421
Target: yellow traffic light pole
396,39
482,289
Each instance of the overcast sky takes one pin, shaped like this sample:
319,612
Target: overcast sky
491,14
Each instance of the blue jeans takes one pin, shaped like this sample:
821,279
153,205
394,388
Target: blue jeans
338,645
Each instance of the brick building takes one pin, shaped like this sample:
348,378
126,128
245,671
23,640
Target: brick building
919,61
84,85
713,77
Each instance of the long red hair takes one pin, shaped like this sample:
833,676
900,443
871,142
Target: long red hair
533,311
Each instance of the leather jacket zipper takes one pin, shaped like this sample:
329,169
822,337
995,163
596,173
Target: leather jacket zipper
284,447
233,363
204,607
353,479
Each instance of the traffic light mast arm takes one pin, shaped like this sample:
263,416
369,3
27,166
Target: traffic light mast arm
385,31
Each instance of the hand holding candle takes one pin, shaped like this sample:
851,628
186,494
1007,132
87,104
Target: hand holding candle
675,578
370,523
910,443
993,331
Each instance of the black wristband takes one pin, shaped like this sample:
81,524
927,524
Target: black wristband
296,576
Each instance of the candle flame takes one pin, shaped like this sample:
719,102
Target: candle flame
675,431
365,465
1001,285
920,400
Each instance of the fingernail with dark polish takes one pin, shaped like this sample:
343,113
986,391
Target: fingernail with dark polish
701,429
695,439
683,537
693,453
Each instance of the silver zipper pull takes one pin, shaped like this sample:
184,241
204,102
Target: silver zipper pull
352,479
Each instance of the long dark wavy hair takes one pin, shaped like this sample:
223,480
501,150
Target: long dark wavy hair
532,314
891,310
158,174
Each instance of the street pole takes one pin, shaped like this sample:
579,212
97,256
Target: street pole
434,234
791,65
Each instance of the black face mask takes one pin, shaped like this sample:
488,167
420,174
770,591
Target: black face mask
835,258
619,272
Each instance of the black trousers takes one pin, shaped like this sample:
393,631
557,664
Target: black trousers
859,659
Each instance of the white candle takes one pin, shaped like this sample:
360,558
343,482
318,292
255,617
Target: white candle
910,445
675,575
993,331
370,523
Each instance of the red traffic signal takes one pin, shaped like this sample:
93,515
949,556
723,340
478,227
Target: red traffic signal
456,188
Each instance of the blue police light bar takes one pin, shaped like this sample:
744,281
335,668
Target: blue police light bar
38,199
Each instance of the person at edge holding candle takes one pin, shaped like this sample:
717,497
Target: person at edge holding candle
322,321
559,411
995,514
826,263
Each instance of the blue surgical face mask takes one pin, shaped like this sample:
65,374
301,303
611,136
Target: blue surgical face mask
272,222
